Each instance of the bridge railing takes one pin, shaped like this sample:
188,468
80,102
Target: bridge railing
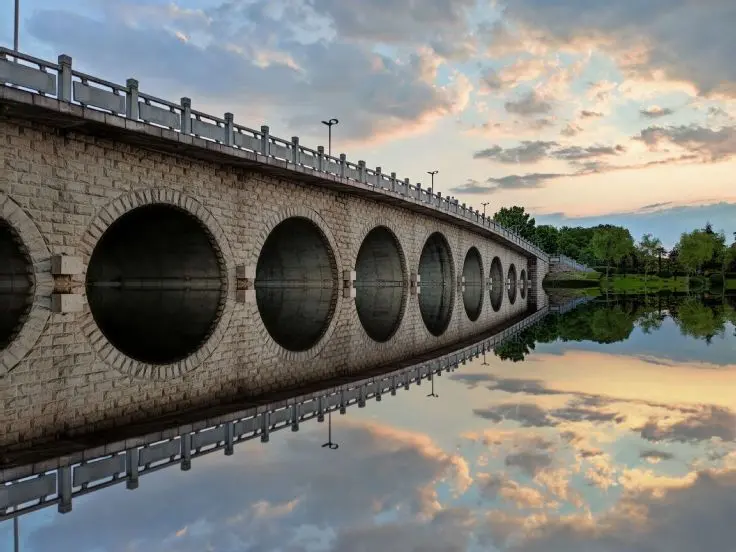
28,488
571,263
59,80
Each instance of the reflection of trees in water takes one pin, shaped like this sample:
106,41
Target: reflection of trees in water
613,320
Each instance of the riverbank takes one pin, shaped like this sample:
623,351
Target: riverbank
592,283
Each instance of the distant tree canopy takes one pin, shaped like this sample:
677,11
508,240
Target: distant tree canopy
607,246
516,219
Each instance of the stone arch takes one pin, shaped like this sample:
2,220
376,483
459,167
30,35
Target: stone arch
113,212
436,268
512,281
267,227
497,284
522,284
35,315
381,290
473,275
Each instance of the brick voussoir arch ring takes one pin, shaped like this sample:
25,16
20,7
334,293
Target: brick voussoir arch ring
104,349
37,253
366,229
334,254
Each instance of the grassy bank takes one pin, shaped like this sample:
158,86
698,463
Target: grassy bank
731,284
592,283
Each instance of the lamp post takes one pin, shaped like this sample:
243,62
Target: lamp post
16,26
431,379
484,208
329,444
16,529
432,173
329,134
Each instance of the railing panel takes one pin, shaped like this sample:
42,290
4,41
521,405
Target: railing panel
208,130
28,490
27,77
208,437
159,116
158,452
246,141
99,469
97,97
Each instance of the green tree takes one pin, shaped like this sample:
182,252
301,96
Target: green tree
700,321
648,248
695,249
517,220
611,245
546,238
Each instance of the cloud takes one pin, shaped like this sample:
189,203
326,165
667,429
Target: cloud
529,462
706,423
527,152
708,144
655,42
585,114
529,105
655,456
694,514
655,112
527,414
493,486
571,129
292,64
268,502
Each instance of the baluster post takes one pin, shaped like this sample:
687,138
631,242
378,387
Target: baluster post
186,115
265,140
64,82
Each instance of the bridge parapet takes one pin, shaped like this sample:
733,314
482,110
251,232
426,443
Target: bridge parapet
58,86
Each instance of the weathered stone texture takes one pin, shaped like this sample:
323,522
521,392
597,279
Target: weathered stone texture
71,187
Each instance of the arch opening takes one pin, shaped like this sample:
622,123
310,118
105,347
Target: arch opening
380,284
296,284
496,284
156,284
16,284
522,284
436,284
473,292
512,284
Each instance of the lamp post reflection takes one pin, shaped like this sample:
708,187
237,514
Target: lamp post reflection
329,444
432,393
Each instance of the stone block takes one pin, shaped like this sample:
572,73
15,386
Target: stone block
245,272
66,265
66,302
349,293
245,296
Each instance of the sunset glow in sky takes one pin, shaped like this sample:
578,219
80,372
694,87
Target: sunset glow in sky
571,108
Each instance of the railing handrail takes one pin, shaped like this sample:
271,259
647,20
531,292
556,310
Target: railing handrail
225,130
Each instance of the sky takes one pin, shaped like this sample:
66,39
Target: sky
582,447
583,111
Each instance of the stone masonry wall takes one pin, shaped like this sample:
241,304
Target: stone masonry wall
69,187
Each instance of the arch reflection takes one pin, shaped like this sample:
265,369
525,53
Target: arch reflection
380,289
156,284
473,292
296,284
497,284
522,284
16,285
512,284
436,279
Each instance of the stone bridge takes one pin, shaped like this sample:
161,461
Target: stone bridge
158,259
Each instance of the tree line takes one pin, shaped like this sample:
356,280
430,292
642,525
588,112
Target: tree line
607,322
610,248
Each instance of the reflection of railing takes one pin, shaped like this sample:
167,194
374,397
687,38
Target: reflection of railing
571,263
101,99
34,486
570,305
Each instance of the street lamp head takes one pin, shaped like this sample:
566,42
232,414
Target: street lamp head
432,172
330,122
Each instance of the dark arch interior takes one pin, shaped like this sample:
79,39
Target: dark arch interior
296,284
497,284
380,288
16,285
156,284
473,292
436,284
522,284
512,284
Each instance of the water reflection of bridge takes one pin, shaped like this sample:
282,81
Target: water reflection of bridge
33,485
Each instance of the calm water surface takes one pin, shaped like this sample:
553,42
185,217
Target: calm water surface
609,428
